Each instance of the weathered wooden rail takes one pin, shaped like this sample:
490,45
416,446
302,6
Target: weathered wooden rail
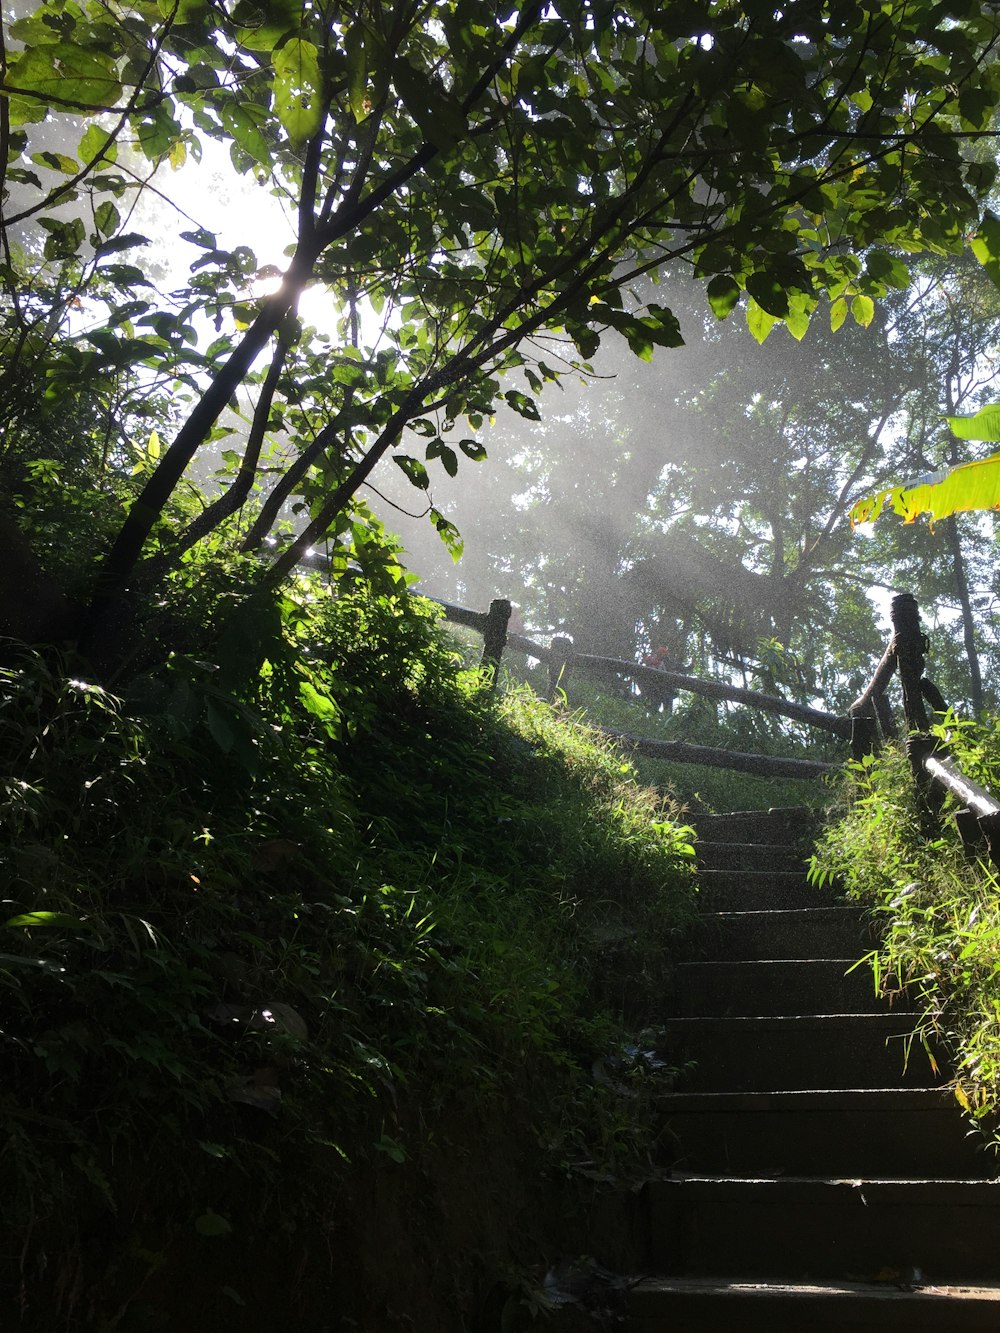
935,772
563,662
868,723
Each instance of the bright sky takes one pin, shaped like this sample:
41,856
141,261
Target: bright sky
211,194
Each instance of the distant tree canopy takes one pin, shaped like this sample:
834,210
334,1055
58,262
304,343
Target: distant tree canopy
492,183
701,504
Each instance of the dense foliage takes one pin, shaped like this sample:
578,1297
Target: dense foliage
478,193
937,910
262,946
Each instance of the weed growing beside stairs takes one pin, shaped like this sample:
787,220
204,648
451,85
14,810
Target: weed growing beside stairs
938,911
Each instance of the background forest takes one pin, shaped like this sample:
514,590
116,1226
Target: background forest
700,503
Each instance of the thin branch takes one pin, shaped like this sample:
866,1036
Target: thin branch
67,186
232,499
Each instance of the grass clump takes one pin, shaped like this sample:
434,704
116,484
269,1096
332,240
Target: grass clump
938,910
294,927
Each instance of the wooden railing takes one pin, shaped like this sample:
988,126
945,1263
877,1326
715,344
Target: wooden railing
563,662
934,771
869,721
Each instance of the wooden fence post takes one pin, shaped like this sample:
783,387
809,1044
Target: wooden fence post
560,663
495,636
910,646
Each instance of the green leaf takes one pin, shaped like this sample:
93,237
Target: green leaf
438,115
759,322
263,25
986,246
863,310
128,241
211,1223
449,459
64,239
962,489
60,162
449,534
984,425
473,449
723,294
29,920
522,404
357,69
106,218
67,70
838,313
297,90
769,294
219,728
317,703
414,469
94,142
243,126
888,269
797,321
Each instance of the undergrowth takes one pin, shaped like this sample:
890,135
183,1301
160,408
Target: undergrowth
938,911
272,912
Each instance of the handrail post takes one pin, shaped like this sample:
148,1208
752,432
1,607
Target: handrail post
910,645
560,664
864,736
495,636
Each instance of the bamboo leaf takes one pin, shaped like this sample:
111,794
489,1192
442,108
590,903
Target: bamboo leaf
970,486
984,425
29,920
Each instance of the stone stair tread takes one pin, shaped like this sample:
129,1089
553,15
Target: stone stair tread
757,876
776,846
787,985
887,1290
887,1018
806,1100
740,890
838,1198
818,1189
831,911
719,1305
756,962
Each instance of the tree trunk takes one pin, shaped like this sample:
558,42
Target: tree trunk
968,619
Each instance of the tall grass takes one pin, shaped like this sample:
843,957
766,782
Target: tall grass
269,919
938,909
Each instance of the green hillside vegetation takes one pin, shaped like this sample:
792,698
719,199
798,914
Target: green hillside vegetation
937,909
327,975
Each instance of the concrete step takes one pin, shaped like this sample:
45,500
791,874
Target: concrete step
790,826
798,1229
718,1305
852,1132
810,932
749,856
795,1052
761,890
774,986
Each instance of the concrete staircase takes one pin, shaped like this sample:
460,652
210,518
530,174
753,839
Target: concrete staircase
822,1179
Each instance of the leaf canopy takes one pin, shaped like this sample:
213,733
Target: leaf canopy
491,182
